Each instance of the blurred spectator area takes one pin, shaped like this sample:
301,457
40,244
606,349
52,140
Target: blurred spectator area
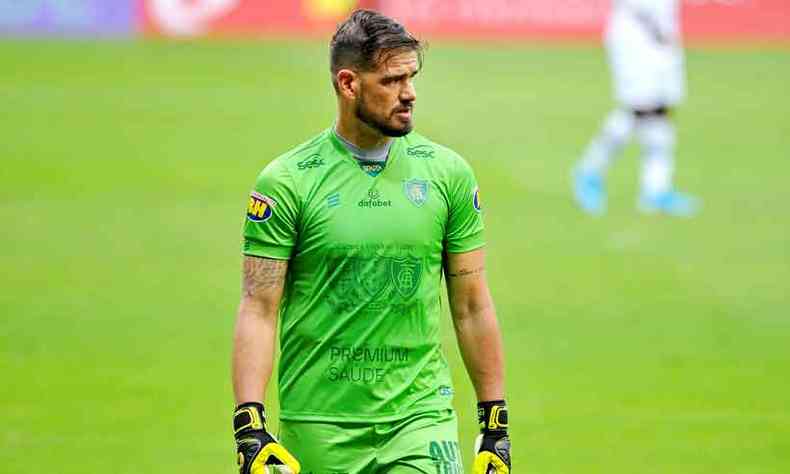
706,20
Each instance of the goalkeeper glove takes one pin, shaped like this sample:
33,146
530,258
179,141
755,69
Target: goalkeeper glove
493,444
255,447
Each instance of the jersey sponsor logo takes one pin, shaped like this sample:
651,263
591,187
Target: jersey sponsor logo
416,191
363,364
476,200
260,207
371,167
420,151
374,200
312,161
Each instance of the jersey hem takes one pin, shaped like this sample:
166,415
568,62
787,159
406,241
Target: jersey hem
356,418
274,255
466,248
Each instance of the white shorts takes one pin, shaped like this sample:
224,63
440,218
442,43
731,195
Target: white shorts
645,74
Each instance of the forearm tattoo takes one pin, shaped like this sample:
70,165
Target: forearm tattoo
462,272
262,273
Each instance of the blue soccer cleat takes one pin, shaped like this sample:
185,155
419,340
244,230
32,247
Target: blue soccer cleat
590,192
671,203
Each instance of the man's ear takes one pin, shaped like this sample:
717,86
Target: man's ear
347,83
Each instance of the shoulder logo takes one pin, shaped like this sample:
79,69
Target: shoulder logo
420,151
476,200
416,190
312,161
260,207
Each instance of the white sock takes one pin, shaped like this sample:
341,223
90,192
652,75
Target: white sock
657,137
609,142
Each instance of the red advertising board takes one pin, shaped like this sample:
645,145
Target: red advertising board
729,20
243,17
501,18
733,20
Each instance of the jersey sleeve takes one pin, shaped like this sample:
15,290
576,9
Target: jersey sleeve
270,226
465,221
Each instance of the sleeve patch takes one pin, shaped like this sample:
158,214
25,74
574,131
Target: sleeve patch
260,207
476,200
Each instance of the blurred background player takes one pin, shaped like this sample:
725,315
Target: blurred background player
646,59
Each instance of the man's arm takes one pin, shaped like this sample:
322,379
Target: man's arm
478,336
253,358
256,327
475,322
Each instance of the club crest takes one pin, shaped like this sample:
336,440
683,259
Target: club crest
406,274
416,191
372,276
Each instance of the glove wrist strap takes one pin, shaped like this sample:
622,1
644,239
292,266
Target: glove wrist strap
492,416
248,417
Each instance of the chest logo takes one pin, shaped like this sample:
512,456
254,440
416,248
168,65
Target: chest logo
406,274
371,168
374,200
416,191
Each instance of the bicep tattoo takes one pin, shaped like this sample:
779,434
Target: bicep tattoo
262,274
463,272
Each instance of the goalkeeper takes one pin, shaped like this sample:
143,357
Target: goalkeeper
346,242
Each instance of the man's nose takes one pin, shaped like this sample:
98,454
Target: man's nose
408,93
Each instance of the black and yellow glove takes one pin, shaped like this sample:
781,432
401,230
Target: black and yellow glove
493,444
255,447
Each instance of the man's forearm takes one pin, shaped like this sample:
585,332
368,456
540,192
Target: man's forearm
481,348
253,351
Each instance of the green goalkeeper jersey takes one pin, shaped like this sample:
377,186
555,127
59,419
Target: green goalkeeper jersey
359,319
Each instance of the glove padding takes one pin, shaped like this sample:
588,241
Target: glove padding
493,455
493,444
256,448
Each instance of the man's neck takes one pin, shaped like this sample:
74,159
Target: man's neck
360,134
376,155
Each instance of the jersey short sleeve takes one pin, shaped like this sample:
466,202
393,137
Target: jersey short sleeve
465,221
270,226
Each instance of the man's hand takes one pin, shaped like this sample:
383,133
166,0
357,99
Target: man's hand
493,444
255,447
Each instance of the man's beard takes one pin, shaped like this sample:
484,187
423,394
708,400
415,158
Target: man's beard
364,114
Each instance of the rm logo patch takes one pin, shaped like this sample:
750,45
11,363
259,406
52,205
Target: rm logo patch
260,207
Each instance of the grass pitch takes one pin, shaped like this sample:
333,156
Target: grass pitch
634,344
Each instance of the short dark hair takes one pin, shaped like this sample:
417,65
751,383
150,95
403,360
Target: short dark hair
365,39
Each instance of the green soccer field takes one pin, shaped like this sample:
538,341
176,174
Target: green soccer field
634,344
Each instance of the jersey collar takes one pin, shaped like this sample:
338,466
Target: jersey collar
395,150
